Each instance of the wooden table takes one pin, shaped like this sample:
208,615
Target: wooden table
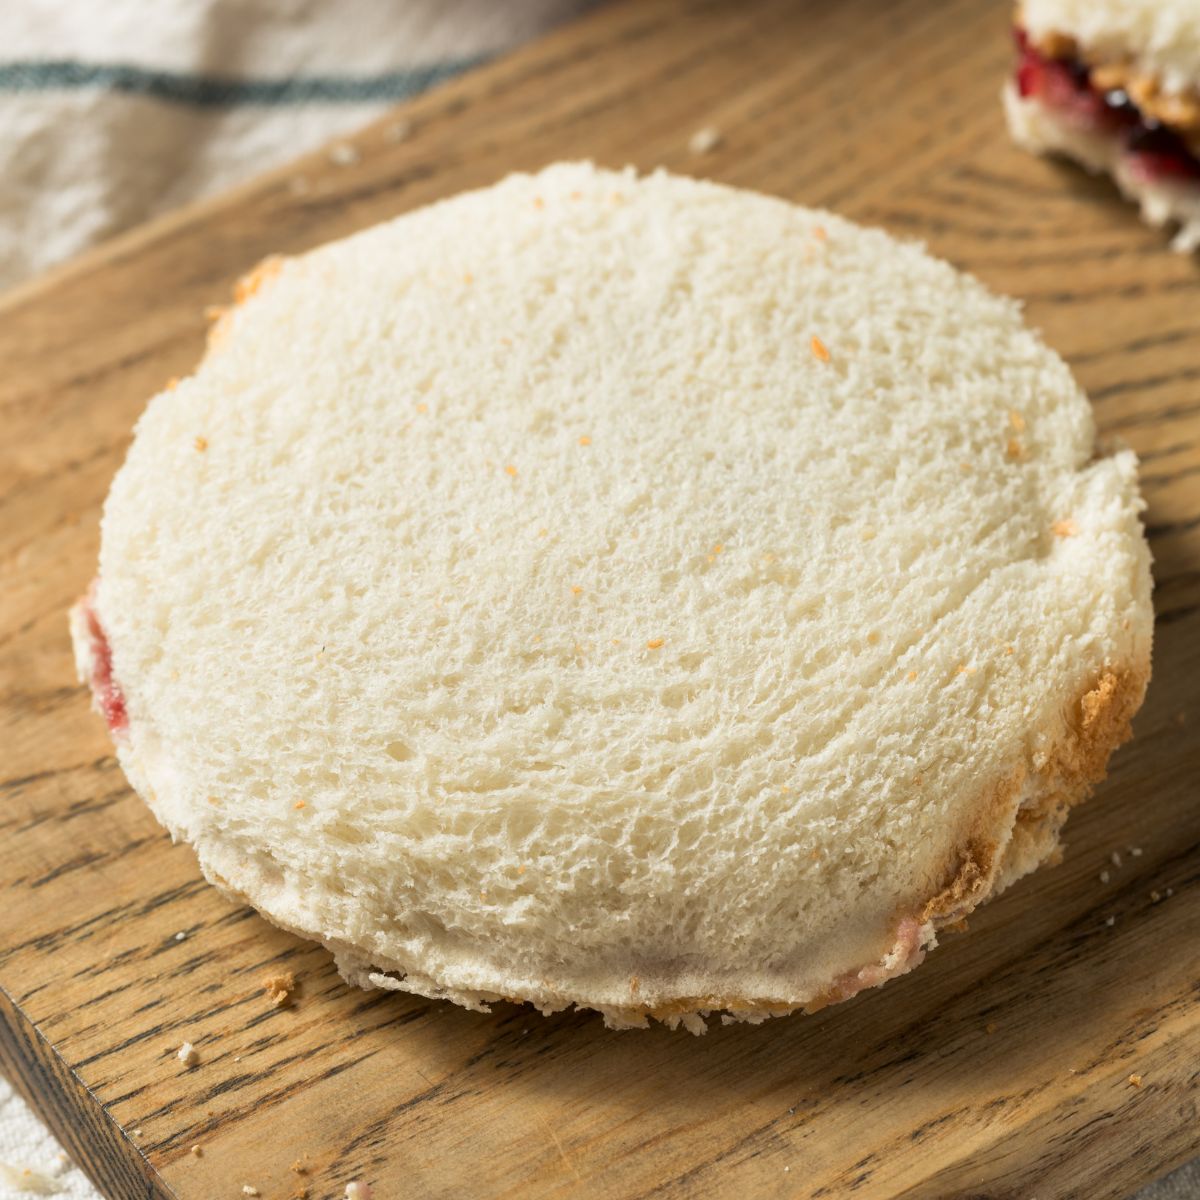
1000,1069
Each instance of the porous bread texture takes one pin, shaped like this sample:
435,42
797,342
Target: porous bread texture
1160,38
1037,127
545,618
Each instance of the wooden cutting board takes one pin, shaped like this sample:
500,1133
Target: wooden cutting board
1000,1069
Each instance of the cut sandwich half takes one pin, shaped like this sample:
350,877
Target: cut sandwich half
1115,86
619,591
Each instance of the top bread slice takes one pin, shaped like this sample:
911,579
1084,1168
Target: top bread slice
1157,38
628,592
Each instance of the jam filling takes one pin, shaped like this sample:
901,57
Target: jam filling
105,689
1064,84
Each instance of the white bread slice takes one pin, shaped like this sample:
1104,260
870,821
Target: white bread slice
628,592
1163,202
1159,38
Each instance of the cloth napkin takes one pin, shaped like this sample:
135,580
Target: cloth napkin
112,112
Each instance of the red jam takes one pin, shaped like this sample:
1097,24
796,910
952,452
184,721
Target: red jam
1064,84
105,689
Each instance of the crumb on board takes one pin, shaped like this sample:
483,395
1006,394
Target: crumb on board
248,1190
1115,858
181,935
705,140
280,988
990,1027
1110,921
1104,877
343,154
357,1190
300,1167
1135,1081
197,1151
187,1055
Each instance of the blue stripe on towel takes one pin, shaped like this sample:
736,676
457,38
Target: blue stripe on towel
213,91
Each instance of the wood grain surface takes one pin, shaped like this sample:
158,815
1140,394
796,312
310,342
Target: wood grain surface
1000,1069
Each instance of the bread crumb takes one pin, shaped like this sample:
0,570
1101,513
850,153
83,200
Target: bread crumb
1065,528
1017,421
1115,858
201,443
300,1167
511,470
247,1190
705,140
398,131
1135,1080
343,154
990,1027
357,1190
1104,876
280,988
187,1055
300,803
1135,851
197,1151
585,440
1110,921
634,984
137,1133
1155,897
819,349
654,643
181,935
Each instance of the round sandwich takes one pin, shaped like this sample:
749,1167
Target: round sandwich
1114,85
619,591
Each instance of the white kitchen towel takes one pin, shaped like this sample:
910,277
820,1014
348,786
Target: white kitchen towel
111,112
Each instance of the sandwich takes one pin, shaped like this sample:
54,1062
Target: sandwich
1114,85
619,591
